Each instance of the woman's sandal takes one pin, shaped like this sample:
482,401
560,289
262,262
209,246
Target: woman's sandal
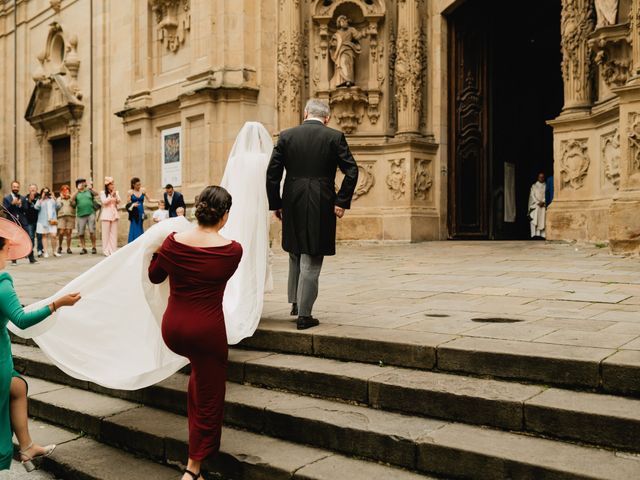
27,460
195,476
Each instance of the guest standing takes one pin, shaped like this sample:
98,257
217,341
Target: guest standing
16,207
136,198
32,217
173,200
84,202
66,218
199,263
47,221
13,388
110,199
161,213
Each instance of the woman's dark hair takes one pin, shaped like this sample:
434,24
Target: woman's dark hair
2,242
212,204
42,192
134,180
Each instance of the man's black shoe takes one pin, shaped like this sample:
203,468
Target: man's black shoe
83,251
33,260
307,322
294,309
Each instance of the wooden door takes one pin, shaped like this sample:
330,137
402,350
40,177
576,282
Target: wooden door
469,198
61,149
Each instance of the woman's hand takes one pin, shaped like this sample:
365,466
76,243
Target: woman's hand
68,300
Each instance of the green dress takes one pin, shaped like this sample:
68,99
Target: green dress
10,310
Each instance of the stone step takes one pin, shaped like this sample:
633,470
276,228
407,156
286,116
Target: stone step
604,369
453,450
163,437
597,419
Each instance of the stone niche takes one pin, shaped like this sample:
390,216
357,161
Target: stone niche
349,62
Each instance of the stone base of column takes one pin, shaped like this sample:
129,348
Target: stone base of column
624,222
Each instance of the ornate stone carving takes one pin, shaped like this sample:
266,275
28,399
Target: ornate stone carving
577,23
610,149
613,54
344,49
290,71
634,142
574,163
56,5
606,12
366,180
397,178
173,19
423,180
409,65
72,62
348,107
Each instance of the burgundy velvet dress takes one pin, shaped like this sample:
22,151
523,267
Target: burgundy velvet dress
193,326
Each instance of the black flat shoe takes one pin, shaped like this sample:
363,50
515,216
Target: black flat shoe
307,322
294,309
195,476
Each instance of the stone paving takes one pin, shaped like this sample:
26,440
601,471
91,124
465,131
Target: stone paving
539,292
18,472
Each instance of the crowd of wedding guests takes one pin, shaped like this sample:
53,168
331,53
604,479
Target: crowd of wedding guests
50,218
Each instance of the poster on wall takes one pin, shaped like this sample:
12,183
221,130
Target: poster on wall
171,157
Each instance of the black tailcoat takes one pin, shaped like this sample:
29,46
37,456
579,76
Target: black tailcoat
311,154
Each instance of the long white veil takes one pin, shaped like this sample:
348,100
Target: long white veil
113,337
245,179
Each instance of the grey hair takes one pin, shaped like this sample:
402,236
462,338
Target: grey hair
317,108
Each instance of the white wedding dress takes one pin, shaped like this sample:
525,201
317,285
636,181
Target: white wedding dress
112,337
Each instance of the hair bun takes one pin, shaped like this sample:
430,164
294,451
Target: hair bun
213,204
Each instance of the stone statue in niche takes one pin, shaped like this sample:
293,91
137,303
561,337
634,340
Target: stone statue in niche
607,12
345,49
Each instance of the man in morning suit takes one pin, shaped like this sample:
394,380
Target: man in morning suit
310,153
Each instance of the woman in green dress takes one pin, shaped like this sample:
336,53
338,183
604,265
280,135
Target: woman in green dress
15,243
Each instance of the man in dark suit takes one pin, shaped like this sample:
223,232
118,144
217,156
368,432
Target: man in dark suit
310,153
17,206
173,200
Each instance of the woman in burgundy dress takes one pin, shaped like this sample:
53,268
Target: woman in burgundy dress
198,263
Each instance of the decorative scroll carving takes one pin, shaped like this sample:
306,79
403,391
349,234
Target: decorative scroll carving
173,19
610,149
634,142
348,105
397,178
613,53
577,23
408,76
366,180
574,163
469,111
422,180
291,64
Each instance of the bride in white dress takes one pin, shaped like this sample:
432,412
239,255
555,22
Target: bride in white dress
112,337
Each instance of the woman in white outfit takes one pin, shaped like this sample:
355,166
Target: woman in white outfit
538,208
47,224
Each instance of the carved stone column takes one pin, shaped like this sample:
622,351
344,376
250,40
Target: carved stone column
290,64
409,66
624,214
578,22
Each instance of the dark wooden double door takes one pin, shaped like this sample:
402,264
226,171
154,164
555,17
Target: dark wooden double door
61,163
504,84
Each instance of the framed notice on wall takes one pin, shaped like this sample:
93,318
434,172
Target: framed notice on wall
171,156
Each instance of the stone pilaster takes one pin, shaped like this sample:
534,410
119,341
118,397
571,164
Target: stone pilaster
290,64
624,223
409,67
578,22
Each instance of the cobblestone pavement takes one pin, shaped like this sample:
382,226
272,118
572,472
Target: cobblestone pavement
554,293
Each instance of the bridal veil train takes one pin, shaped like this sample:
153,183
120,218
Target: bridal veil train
113,337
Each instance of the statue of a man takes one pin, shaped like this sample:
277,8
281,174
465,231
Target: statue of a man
606,12
345,48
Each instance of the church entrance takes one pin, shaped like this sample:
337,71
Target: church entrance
505,82
61,163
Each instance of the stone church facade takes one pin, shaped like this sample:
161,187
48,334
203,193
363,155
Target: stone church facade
159,88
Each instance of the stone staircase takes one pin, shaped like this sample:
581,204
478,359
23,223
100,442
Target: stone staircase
345,403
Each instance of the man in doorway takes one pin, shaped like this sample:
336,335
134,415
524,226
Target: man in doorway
83,201
16,206
310,153
538,208
173,200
